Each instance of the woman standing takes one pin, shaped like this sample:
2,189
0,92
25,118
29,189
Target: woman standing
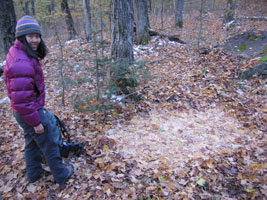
24,80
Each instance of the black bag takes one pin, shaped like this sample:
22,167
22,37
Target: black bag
67,147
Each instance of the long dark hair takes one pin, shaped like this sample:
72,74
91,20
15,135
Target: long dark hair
41,51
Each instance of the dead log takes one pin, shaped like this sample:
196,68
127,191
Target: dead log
174,38
252,17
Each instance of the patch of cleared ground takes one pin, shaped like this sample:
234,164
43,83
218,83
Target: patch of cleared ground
171,138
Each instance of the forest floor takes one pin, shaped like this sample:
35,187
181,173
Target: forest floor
249,44
198,133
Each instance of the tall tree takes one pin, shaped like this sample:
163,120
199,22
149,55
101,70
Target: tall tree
179,13
213,5
27,10
69,21
101,26
141,21
149,5
161,13
7,23
25,6
122,21
33,7
87,11
52,5
230,11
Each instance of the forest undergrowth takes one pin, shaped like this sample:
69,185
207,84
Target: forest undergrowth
199,131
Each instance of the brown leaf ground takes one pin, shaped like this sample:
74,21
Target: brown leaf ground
172,138
198,133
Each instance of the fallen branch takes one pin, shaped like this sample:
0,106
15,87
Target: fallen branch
159,60
128,95
173,38
252,17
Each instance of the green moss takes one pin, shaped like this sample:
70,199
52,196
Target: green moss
264,59
252,38
243,47
145,41
120,28
265,49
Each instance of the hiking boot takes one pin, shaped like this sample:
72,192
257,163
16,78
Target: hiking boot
43,173
70,169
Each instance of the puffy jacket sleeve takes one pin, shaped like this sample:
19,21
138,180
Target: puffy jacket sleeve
20,83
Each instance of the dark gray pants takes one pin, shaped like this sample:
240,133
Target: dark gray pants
44,143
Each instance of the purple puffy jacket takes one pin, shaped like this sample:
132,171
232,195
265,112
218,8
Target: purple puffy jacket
25,84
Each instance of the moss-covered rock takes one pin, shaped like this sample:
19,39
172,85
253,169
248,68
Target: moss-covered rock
260,70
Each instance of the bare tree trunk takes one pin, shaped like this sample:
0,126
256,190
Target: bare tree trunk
97,67
141,20
179,13
24,7
149,5
27,10
230,11
122,21
201,12
101,27
7,23
33,7
69,21
213,5
52,5
162,8
87,11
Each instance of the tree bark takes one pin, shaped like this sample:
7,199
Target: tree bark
7,23
230,11
52,5
27,10
200,17
141,20
149,5
122,20
33,7
213,5
161,16
179,13
87,11
101,27
69,21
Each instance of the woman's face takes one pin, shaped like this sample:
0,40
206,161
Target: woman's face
33,40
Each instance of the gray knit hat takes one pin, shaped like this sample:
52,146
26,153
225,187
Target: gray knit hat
27,25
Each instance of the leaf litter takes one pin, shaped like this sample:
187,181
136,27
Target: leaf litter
171,138
199,132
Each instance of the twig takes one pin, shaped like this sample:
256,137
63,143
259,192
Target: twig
128,95
61,60
155,61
